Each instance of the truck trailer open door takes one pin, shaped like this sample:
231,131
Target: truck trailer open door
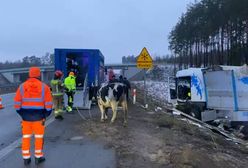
88,65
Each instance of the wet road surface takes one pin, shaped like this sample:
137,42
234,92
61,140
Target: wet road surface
64,146
9,122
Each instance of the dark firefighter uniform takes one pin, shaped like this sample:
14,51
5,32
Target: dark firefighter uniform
57,87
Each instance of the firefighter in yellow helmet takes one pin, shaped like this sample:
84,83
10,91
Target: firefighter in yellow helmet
70,86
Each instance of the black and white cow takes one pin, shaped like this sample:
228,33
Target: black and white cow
110,95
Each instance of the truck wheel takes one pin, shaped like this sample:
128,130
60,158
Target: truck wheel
244,131
196,113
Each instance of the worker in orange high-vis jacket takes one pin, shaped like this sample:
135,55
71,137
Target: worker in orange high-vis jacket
33,102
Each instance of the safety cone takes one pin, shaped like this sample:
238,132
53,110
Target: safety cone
1,105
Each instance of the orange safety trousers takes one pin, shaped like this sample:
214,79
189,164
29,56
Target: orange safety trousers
28,129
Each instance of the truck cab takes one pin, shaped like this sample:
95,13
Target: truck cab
189,92
190,86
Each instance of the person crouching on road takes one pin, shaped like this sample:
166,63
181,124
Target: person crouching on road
33,102
70,86
57,87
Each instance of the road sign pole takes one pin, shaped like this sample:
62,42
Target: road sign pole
145,96
144,61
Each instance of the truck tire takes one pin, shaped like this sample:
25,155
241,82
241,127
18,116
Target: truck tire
196,113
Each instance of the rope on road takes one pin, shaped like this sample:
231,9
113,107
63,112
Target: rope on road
90,114
81,115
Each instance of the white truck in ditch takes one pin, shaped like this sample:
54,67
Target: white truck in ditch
219,93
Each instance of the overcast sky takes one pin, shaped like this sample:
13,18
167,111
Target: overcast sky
116,27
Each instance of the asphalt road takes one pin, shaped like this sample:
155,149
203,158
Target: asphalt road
9,122
64,146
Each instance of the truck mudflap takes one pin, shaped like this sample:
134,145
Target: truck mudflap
208,115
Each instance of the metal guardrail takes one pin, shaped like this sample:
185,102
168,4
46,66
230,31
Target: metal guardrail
8,88
21,70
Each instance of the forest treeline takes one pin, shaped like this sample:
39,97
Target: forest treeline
211,32
131,59
28,61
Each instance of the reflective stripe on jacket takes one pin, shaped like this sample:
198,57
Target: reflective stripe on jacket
33,100
57,87
70,83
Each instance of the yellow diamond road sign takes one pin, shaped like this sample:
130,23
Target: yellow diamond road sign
144,60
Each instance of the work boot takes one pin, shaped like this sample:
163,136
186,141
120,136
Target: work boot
27,161
39,160
69,110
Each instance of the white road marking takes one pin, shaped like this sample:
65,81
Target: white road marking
5,151
7,94
8,105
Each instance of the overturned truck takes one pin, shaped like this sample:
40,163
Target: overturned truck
87,65
214,94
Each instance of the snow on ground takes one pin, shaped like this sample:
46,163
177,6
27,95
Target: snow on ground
156,89
157,82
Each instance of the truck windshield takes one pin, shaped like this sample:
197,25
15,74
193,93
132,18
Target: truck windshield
183,86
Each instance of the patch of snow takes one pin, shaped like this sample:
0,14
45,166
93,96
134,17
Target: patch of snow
151,112
176,113
158,109
77,138
192,122
155,89
157,84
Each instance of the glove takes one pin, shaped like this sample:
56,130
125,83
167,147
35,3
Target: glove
66,90
43,122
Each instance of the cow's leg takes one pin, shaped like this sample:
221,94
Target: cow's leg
102,110
105,114
114,109
125,110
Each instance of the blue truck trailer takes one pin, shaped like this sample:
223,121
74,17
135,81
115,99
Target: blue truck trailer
82,62
88,66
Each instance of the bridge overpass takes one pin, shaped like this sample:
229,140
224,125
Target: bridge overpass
17,75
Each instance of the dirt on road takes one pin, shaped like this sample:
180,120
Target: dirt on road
155,139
